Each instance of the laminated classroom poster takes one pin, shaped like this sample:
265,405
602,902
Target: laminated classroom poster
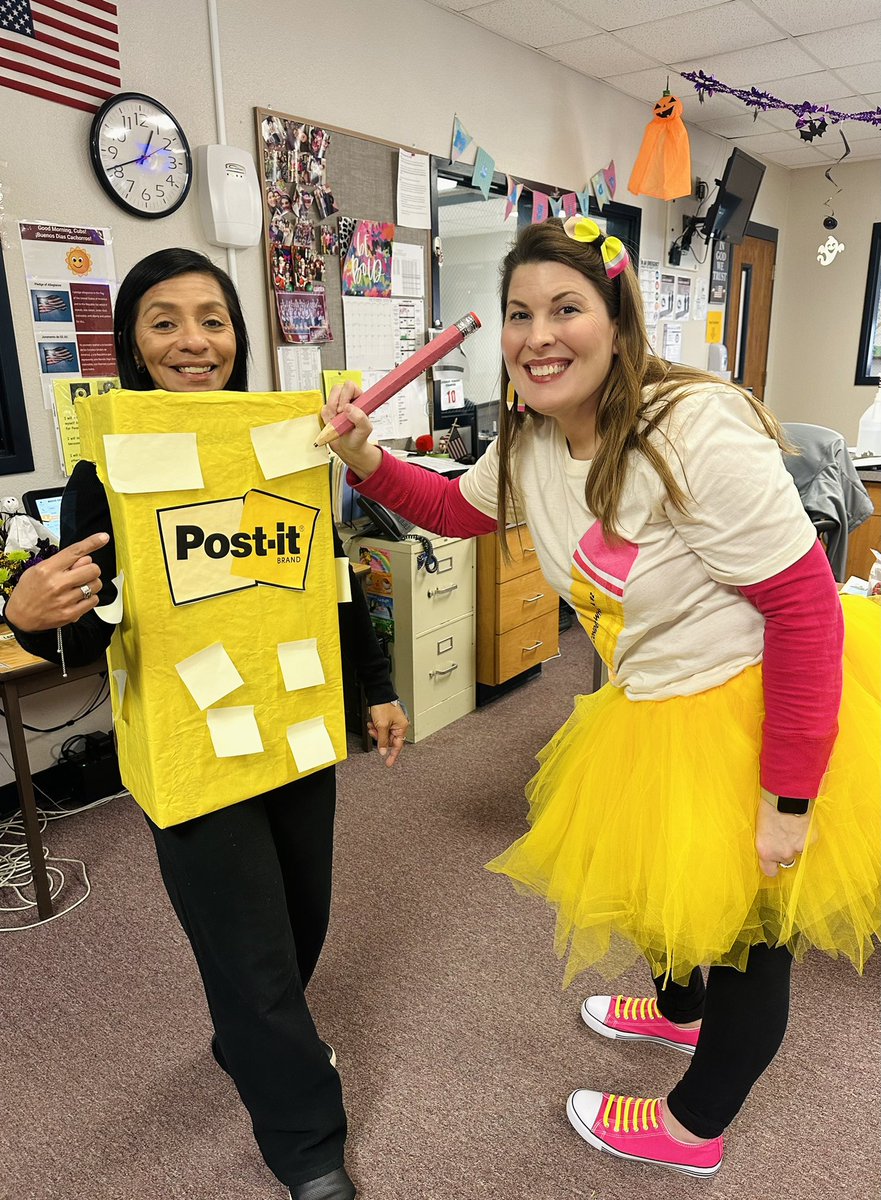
221,513
367,267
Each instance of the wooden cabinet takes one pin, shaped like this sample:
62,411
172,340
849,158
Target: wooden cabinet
429,621
518,618
865,538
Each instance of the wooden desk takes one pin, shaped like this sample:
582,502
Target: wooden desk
23,675
867,535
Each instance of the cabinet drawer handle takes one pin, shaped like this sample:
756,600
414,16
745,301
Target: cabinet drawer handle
442,591
446,671
534,646
532,599
529,549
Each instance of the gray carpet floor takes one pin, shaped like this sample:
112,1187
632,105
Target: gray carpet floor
440,990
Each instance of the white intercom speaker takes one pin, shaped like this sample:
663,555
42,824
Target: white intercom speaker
229,196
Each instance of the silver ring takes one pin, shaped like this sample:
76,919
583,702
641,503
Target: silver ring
786,866
86,591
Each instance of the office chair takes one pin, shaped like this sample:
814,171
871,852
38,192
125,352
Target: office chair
830,489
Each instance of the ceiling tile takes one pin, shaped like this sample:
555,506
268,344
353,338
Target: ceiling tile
621,14
715,106
809,16
846,46
648,85
816,87
737,127
762,143
454,5
600,56
780,118
874,99
741,68
531,22
870,148
714,30
801,156
864,78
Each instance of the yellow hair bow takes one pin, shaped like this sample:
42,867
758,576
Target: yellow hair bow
585,229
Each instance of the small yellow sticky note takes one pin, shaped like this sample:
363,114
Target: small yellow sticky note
343,581
714,326
120,678
234,731
275,540
310,744
300,664
285,447
332,378
153,462
209,675
112,613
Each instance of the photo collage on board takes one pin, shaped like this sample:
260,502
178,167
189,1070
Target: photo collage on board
299,205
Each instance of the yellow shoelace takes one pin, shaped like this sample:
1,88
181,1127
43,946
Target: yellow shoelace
635,1009
631,1113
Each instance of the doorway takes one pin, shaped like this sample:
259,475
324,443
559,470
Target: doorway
748,317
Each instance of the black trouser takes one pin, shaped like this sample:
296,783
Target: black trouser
743,1018
251,887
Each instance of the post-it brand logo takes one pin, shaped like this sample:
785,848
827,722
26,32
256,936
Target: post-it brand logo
229,545
285,543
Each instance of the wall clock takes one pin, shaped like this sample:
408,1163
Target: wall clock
141,155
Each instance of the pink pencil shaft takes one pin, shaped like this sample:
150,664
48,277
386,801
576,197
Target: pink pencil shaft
408,370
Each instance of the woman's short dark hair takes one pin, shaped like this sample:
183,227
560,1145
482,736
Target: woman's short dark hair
156,268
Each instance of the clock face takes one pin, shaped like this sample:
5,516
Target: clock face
140,155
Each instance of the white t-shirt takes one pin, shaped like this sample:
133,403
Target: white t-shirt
662,609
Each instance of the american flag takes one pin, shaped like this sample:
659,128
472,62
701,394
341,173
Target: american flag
455,444
66,52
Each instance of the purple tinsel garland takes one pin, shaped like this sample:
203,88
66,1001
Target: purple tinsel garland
709,85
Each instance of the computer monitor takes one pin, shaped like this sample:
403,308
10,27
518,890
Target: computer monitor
729,214
44,505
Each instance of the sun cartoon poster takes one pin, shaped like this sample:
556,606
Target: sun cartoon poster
367,269
71,280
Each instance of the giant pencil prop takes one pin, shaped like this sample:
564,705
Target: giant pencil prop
398,379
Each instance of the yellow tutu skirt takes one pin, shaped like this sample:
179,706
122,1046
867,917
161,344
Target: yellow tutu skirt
642,828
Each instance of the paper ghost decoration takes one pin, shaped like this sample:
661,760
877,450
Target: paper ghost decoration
663,165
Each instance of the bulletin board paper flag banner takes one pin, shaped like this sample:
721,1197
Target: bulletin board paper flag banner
598,183
611,179
513,195
663,165
178,550
61,52
462,139
367,270
482,175
570,204
540,207
583,198
556,206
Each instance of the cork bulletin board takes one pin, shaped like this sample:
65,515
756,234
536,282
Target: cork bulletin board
319,181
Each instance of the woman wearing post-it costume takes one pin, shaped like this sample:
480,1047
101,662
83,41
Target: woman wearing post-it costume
710,806
250,883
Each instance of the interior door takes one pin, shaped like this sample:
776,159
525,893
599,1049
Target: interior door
748,320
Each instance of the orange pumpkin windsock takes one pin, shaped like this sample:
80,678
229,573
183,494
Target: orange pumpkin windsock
663,165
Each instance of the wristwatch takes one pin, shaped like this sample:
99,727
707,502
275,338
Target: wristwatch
794,806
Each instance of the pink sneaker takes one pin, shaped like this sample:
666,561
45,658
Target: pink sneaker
636,1020
631,1128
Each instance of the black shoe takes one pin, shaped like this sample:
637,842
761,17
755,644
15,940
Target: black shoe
335,1186
221,1061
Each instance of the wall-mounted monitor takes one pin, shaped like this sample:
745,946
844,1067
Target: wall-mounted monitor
729,213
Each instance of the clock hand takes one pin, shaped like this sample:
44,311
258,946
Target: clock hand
140,158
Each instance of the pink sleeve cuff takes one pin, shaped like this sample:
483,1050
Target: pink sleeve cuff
425,497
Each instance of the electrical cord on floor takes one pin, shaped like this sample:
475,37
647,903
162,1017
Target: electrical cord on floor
15,867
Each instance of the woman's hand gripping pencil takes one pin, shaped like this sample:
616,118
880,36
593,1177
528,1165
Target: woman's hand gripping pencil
397,379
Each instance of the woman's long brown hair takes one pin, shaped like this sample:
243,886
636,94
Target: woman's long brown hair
639,393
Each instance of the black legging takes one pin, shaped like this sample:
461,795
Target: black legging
251,887
743,1018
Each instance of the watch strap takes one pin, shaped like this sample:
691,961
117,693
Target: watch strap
794,805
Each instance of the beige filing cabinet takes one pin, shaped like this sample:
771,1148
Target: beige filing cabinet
518,614
431,622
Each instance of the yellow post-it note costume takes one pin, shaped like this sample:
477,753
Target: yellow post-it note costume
226,567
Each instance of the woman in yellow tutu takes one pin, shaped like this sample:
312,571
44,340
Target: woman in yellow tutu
716,804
